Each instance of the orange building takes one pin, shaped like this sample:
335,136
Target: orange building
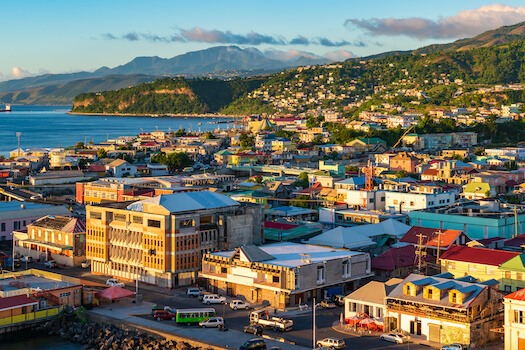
404,161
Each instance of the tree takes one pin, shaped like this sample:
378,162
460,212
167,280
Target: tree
79,145
352,168
210,136
101,153
300,201
179,160
401,174
246,140
180,132
302,181
479,151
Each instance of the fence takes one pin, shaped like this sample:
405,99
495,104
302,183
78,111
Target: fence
37,315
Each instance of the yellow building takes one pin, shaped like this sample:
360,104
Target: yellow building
480,263
161,240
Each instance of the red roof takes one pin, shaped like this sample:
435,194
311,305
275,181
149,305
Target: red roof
518,295
515,242
97,168
115,292
430,172
279,226
395,258
430,237
483,256
16,301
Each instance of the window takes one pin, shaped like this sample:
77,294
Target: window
519,317
275,279
489,270
429,293
224,270
508,289
64,295
347,271
382,199
519,276
186,223
3,227
119,217
395,201
153,223
453,298
411,204
371,200
451,265
137,220
321,274
472,268
95,215
507,275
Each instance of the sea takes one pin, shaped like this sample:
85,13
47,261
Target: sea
30,340
52,127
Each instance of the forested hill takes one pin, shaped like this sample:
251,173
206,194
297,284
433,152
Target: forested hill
168,95
329,86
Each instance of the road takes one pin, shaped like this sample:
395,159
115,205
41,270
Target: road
301,334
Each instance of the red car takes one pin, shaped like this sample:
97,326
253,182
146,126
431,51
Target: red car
163,315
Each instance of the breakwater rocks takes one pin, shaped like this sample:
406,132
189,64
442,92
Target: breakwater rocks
108,337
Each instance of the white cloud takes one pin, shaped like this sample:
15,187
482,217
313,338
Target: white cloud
339,55
465,24
290,55
18,73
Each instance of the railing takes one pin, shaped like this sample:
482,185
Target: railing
425,311
214,273
8,321
266,283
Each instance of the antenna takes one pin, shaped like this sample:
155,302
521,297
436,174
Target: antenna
438,233
18,135
419,251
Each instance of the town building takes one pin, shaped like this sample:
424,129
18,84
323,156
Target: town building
110,189
161,240
121,168
434,241
283,274
404,161
514,324
58,238
16,216
445,310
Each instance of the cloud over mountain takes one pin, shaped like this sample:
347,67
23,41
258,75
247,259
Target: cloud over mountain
197,34
464,23
339,55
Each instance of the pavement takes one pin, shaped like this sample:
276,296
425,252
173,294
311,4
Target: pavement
130,312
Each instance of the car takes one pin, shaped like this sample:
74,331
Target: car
202,294
395,338
338,299
239,304
113,283
50,263
253,344
213,299
85,264
212,322
335,343
253,329
193,292
454,346
327,304
163,315
26,259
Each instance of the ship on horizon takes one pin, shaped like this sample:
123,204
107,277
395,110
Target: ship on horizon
7,108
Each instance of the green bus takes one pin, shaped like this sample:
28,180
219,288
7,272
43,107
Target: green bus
190,316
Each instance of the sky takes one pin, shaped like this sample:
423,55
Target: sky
39,37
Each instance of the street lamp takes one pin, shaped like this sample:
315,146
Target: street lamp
18,135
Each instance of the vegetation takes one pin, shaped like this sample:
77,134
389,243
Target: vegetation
174,160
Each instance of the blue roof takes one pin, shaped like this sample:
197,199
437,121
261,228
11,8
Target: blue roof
186,201
353,181
15,205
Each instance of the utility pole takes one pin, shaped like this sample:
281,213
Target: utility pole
313,321
515,219
18,135
419,251
439,233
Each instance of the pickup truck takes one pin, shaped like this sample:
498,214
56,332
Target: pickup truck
113,282
278,324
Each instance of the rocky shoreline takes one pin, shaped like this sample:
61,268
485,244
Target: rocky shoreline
107,337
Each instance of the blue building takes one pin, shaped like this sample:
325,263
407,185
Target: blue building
478,220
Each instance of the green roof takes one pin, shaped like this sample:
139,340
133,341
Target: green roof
372,140
517,263
477,187
224,153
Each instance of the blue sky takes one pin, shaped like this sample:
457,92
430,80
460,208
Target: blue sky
39,37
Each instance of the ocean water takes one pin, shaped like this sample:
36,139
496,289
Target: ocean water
30,340
51,127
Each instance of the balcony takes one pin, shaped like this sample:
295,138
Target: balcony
266,283
214,273
432,312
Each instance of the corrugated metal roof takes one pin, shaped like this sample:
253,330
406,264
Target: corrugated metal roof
482,256
34,212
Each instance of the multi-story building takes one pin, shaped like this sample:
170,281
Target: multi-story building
404,161
445,310
514,324
58,238
440,141
478,220
110,189
15,216
408,201
285,273
161,240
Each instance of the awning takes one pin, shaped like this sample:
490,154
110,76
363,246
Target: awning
113,293
49,245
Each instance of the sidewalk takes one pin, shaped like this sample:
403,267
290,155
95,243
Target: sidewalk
126,311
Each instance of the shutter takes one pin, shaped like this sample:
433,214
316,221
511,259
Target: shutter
434,333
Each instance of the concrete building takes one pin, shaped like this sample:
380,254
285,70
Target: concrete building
120,168
110,189
284,274
161,240
478,220
408,201
445,310
514,325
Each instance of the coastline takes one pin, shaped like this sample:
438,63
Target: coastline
164,115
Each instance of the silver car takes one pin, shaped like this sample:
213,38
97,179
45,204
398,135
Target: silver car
331,343
395,338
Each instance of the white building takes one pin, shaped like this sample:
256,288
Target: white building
408,201
514,325
119,167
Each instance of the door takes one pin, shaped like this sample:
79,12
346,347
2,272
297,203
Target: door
412,327
521,344
434,332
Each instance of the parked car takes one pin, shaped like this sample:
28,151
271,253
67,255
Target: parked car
213,299
113,282
202,294
193,292
50,263
253,344
239,304
253,329
454,346
327,304
395,338
26,259
163,315
338,299
212,322
86,264
331,343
